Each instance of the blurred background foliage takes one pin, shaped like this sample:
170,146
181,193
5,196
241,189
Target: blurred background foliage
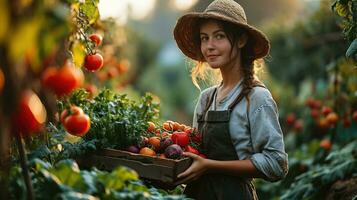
307,72
305,37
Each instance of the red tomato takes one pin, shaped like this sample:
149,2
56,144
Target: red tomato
96,38
123,66
75,110
76,122
326,144
332,118
298,125
315,113
93,62
290,118
192,150
48,77
30,114
180,138
112,72
2,80
326,110
62,81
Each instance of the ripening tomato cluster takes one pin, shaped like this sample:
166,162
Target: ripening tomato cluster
30,114
169,140
114,69
94,61
291,120
324,116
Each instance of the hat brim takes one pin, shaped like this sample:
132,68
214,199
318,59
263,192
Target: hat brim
184,35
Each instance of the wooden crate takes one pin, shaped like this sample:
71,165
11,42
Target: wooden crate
159,170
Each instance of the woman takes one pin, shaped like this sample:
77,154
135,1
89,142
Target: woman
238,119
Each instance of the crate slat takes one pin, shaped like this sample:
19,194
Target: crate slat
152,168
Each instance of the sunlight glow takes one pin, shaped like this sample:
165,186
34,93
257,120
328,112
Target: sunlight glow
123,9
184,4
141,9
37,108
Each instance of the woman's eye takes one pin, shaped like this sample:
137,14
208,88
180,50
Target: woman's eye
219,36
203,38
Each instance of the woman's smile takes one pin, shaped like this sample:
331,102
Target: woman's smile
215,45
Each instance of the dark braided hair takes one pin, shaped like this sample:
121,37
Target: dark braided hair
247,58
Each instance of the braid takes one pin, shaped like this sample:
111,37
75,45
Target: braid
248,78
248,72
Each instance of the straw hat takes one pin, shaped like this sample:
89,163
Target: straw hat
224,10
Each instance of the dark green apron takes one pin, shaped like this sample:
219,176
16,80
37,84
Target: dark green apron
217,145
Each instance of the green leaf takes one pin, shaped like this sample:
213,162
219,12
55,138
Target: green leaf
117,178
73,1
67,171
341,9
78,51
39,164
352,49
90,179
20,43
41,152
90,9
71,195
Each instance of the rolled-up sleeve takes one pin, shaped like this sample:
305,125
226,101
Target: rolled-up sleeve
267,141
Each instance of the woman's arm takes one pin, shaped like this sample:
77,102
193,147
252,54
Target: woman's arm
240,168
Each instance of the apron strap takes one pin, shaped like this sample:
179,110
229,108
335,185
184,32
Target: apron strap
209,101
241,96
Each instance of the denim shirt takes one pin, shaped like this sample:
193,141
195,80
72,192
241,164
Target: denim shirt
255,130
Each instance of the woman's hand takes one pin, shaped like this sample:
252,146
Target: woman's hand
197,168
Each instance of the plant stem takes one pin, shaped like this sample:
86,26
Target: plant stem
25,171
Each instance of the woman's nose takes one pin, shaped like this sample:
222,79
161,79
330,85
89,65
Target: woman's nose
210,44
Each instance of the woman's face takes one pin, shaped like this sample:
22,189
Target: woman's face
215,45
